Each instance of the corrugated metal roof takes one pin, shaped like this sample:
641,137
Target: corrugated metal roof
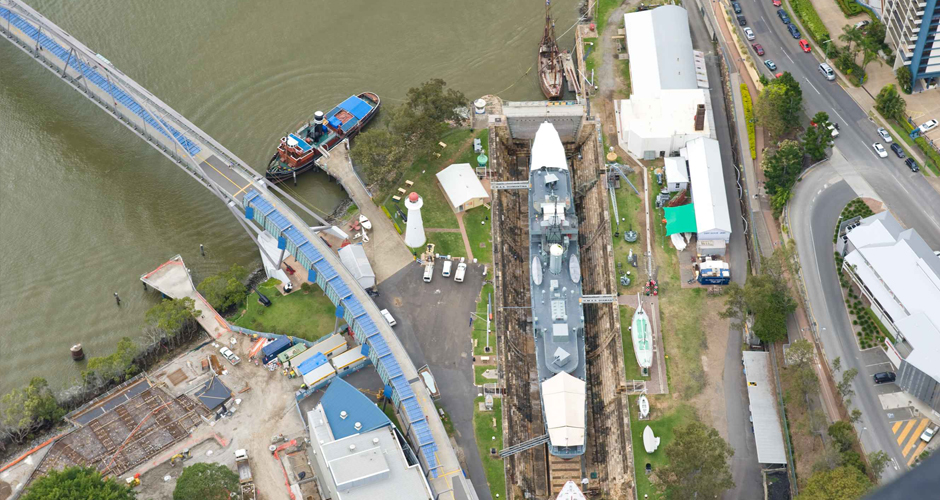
429,456
309,251
708,186
354,307
423,432
401,386
293,234
340,397
275,345
392,368
368,326
413,411
279,220
768,433
660,47
339,286
379,346
214,393
325,269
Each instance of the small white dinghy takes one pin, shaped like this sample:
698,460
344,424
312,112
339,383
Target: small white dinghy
366,223
644,406
650,441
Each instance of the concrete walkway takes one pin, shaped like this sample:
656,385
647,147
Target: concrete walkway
463,234
386,249
173,280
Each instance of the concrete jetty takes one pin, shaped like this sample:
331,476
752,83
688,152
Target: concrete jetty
173,280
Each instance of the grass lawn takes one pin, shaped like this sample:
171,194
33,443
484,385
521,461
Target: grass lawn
448,423
662,425
447,244
628,206
488,428
479,326
631,369
604,8
478,377
308,315
625,71
390,413
477,221
436,212
468,156
682,310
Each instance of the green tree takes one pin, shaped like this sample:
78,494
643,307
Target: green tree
434,100
23,411
77,483
890,104
225,289
800,357
843,434
782,166
780,106
380,153
116,367
841,483
765,296
856,415
845,386
854,38
817,139
878,461
905,79
698,464
851,458
206,481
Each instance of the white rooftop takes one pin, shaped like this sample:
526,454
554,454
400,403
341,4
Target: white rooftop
570,492
563,397
660,49
547,149
668,115
768,433
461,184
708,185
355,260
364,466
677,169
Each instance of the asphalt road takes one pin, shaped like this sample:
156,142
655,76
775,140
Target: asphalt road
745,469
906,194
814,211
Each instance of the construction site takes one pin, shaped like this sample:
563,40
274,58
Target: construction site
606,466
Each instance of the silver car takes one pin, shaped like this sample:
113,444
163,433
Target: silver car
884,134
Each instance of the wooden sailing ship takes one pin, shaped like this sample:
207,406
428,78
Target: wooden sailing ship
551,71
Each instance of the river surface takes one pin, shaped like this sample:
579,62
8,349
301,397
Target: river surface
86,207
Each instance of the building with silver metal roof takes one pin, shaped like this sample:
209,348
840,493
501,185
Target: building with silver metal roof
768,433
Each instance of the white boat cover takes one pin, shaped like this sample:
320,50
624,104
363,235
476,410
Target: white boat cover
650,441
563,397
547,149
678,241
570,492
644,406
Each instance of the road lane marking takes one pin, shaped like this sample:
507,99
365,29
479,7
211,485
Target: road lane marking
917,452
915,438
897,425
814,87
907,429
837,114
220,173
878,364
788,57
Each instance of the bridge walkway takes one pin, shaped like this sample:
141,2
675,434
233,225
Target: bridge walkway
173,280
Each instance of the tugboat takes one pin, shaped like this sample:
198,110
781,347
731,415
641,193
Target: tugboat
551,72
557,314
297,151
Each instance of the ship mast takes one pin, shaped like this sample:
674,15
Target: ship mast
549,35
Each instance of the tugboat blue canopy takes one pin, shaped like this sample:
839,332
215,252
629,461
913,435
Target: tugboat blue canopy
356,107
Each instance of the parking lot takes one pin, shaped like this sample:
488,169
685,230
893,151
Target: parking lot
433,324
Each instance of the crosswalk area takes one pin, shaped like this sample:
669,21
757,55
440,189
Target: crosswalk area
907,433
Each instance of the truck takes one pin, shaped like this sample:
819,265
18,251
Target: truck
245,481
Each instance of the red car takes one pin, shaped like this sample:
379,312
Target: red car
776,3
758,49
804,45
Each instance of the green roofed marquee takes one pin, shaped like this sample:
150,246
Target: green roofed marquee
680,220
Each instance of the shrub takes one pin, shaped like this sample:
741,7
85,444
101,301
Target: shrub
807,13
749,117
849,7
386,213
904,79
932,154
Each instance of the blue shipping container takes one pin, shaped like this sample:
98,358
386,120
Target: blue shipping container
316,361
271,350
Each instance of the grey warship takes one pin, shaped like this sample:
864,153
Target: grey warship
557,314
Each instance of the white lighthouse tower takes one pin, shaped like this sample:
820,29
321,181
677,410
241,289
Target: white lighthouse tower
414,231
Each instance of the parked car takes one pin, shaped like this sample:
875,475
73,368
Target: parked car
445,270
428,272
927,126
782,14
388,317
861,24
911,164
880,150
777,3
928,434
884,134
795,33
736,6
749,33
897,150
742,21
758,48
461,272
884,377
229,355
834,128
804,44
770,65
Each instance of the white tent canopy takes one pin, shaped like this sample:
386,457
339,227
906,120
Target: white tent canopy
563,397
355,260
547,149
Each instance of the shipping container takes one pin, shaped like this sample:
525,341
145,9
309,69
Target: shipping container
319,376
270,351
286,356
349,360
311,364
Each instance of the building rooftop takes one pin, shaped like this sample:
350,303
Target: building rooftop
461,184
341,399
213,394
668,115
660,48
355,260
768,433
708,185
677,169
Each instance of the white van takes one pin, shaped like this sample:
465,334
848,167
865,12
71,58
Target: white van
445,271
461,271
428,272
826,70
388,317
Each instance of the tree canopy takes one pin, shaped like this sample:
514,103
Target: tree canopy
112,368
818,138
698,464
781,168
905,79
765,296
225,289
206,481
77,483
890,104
23,411
841,483
382,153
780,106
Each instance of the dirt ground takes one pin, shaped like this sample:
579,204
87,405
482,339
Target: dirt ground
710,404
